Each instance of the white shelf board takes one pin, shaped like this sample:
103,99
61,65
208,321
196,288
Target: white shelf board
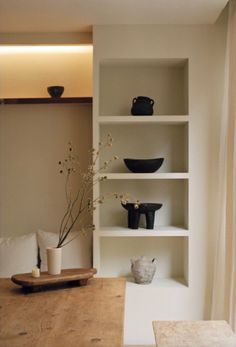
166,231
141,176
158,283
143,119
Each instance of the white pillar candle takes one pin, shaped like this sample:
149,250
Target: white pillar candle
35,272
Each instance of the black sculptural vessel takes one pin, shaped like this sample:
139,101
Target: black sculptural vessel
142,106
134,213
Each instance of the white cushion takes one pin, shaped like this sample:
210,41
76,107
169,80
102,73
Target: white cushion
75,254
18,254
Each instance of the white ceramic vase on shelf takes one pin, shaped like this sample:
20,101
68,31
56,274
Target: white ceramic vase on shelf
54,260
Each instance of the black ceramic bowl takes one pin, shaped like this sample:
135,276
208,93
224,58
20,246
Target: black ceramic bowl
143,165
55,91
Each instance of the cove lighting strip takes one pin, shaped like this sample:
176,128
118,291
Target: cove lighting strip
20,49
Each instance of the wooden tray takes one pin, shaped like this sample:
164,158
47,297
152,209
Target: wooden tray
77,277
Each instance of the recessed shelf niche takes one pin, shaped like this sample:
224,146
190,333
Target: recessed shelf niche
164,134
171,254
145,141
173,194
163,80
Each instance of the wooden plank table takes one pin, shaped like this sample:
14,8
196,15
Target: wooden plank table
86,316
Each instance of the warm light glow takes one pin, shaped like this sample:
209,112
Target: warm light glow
12,49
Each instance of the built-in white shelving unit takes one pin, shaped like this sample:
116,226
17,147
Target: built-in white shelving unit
164,134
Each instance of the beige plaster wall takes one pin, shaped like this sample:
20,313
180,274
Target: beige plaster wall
33,138
46,38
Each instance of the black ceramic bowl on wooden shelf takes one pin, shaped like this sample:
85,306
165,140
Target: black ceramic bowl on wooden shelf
55,91
143,165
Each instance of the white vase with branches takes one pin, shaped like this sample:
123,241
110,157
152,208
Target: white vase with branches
79,201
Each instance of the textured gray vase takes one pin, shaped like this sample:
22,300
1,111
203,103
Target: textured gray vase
143,270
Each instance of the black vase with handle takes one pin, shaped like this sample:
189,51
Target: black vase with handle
142,106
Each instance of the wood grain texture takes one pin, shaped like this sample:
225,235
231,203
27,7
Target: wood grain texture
67,275
75,317
66,100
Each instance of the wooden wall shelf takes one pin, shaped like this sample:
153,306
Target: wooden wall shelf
23,101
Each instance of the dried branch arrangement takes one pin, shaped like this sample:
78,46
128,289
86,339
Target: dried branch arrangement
79,201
